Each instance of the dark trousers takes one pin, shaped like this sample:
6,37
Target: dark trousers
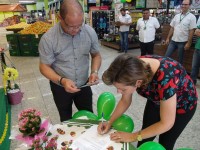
167,139
64,100
146,48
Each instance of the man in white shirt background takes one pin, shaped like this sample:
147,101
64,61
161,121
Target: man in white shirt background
125,22
181,31
147,26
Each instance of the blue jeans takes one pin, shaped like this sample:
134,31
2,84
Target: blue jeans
172,48
195,65
124,41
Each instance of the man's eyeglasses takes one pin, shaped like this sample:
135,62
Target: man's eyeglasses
70,28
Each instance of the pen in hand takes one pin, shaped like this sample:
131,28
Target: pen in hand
102,120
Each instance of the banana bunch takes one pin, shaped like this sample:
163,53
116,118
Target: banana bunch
36,28
19,25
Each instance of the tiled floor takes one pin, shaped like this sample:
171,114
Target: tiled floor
37,95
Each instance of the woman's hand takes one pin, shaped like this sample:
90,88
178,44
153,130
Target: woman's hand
103,127
122,137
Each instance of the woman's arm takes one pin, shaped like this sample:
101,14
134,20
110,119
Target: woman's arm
121,107
167,119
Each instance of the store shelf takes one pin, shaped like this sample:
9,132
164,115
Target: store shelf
160,49
117,46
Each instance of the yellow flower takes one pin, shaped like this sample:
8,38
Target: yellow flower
10,74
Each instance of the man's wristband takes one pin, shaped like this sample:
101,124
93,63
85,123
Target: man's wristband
60,80
94,71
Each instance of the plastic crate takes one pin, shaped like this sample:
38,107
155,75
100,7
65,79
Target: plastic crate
36,37
24,38
12,38
26,48
35,51
14,50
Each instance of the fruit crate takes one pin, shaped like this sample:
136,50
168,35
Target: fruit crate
24,38
35,51
26,48
36,37
14,50
12,38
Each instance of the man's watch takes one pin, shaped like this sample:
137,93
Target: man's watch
139,137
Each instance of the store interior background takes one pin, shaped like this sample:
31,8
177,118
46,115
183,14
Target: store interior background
102,16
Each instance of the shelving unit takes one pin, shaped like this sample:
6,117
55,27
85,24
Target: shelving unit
101,21
135,14
133,34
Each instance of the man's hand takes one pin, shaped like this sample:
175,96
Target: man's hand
93,78
167,41
197,32
69,86
187,46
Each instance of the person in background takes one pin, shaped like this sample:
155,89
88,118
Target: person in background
125,22
196,55
147,26
181,31
64,59
169,90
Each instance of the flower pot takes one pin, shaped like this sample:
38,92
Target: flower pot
14,96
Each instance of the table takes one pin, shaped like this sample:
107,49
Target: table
4,109
15,30
75,124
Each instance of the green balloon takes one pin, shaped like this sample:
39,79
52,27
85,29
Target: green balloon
105,105
85,113
123,123
151,146
123,1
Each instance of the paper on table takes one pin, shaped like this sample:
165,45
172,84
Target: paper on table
91,140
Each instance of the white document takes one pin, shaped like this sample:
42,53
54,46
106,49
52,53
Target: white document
91,140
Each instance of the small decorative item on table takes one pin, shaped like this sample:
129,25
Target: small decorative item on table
13,92
33,131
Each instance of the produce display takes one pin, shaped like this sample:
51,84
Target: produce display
10,21
19,25
36,28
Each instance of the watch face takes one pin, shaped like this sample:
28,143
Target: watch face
139,138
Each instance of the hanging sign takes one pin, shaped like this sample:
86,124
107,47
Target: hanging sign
140,3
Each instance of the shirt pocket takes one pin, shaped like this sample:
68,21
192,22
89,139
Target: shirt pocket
85,47
185,25
63,56
151,26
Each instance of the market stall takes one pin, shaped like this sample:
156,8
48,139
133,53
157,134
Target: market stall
25,42
8,11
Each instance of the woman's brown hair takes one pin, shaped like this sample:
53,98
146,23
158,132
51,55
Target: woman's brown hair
127,69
